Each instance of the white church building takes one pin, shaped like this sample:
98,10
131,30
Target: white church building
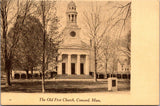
75,55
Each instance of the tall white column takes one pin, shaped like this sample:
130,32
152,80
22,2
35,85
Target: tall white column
69,64
12,74
87,65
60,64
78,64
76,18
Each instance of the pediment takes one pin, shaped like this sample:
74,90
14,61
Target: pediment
74,43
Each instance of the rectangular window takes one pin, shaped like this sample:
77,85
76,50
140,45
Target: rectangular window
113,83
82,68
63,68
72,68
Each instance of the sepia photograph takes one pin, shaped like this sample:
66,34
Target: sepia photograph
66,47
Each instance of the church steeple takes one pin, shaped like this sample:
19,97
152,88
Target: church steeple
71,14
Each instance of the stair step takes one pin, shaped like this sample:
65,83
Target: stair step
74,77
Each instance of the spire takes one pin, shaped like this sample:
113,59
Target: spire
71,14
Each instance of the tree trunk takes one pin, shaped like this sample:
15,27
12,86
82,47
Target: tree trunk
4,27
95,72
43,82
114,66
8,82
27,73
106,68
32,72
44,43
43,66
8,69
129,60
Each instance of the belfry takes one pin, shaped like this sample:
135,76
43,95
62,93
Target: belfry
71,14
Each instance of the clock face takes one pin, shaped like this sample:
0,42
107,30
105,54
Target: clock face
73,34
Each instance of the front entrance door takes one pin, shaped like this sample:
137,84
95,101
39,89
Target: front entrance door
82,68
63,68
72,68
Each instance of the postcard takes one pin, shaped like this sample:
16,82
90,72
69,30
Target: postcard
79,52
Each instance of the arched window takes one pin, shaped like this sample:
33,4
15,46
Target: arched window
23,76
124,76
69,17
35,75
16,76
101,76
118,76
72,17
29,76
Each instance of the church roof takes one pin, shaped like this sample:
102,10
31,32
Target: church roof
71,3
75,45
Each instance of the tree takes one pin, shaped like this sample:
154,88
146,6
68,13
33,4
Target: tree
119,22
121,18
107,50
52,43
97,28
47,12
126,45
9,44
29,48
106,34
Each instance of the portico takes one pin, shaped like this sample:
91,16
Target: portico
73,64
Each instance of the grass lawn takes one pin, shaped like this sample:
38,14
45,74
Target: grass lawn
63,86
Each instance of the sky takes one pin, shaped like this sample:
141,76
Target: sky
82,6
85,5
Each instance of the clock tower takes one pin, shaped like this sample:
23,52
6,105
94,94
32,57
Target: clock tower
71,32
